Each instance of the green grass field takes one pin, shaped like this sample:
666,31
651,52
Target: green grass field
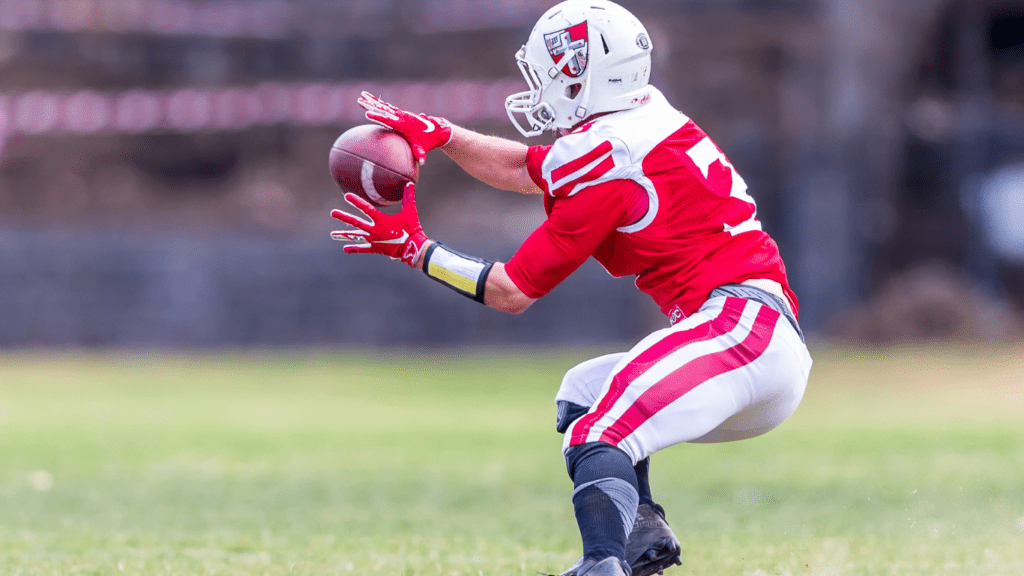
899,462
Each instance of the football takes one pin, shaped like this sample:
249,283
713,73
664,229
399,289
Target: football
374,163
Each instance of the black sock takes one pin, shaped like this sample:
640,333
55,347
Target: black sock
600,526
643,482
605,498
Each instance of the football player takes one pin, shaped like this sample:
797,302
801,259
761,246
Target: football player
636,184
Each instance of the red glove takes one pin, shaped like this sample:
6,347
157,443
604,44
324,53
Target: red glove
398,236
423,132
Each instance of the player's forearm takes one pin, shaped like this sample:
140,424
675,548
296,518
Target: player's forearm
494,161
499,292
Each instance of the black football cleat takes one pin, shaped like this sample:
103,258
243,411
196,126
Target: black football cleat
610,566
651,547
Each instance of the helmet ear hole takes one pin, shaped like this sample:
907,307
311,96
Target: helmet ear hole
573,90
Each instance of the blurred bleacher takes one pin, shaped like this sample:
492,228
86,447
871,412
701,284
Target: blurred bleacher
163,174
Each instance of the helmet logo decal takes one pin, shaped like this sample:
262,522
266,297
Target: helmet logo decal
643,41
569,49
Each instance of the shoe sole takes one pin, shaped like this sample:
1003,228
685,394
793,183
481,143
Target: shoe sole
664,554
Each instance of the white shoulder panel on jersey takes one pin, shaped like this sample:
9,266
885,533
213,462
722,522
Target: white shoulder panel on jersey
613,148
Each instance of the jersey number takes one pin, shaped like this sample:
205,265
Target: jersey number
704,154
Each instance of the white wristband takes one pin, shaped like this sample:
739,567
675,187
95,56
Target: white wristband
467,275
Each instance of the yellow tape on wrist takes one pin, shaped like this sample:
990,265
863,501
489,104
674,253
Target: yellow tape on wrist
467,275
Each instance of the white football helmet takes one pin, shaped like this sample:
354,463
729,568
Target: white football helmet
584,57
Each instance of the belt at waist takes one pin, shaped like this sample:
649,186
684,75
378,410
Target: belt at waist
770,286
759,295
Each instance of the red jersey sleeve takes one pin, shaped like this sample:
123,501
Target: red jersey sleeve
535,156
575,227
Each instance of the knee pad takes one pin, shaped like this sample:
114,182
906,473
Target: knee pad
568,412
597,460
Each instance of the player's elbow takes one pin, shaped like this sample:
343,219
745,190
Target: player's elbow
503,294
514,177
522,182
513,303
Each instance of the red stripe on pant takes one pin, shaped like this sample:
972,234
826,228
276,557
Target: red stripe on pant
692,374
726,320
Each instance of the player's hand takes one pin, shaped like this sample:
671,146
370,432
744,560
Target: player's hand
423,132
398,236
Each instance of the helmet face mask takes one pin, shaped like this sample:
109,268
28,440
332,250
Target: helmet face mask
582,58
539,115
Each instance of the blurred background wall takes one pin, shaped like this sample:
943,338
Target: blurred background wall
163,176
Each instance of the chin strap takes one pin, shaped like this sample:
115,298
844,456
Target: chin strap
581,110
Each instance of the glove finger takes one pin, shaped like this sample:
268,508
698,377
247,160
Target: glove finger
409,195
383,113
367,99
350,236
419,153
358,249
363,206
370,102
353,221
378,122
385,120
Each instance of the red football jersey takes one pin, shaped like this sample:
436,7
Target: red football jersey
646,193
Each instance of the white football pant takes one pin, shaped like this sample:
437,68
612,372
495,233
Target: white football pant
734,370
